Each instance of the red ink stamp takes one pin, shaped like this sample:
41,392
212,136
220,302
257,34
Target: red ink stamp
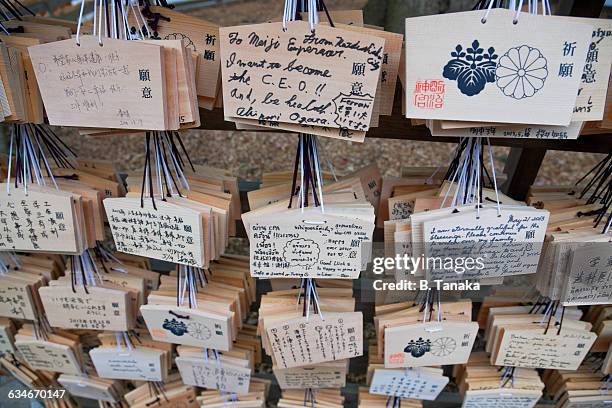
429,94
397,358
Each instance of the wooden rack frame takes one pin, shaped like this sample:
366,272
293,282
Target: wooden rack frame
526,155
398,127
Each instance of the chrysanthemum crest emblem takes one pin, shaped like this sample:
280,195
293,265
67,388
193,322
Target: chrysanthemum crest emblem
521,72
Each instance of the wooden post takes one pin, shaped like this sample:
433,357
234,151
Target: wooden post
523,166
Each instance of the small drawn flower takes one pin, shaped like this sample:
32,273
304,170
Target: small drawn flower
521,72
472,68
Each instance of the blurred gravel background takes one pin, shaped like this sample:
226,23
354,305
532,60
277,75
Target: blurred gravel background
249,154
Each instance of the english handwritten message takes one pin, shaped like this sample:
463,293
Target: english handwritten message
508,244
318,376
503,398
534,349
324,78
314,246
140,363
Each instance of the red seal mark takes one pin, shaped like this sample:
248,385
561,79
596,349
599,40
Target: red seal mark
397,358
429,94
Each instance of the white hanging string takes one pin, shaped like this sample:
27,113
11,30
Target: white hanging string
478,187
178,285
177,168
166,172
128,343
106,29
144,22
40,178
142,36
426,305
318,172
297,302
302,192
439,308
313,15
193,290
202,277
316,299
459,195
494,178
486,14
100,15
184,288
287,14
108,255
32,159
10,161
452,154
471,190
11,262
548,310
80,22
13,257
452,181
118,340
126,24
3,266
25,168
330,165
308,289
49,172
147,176
465,162
290,10
95,17
478,170
89,275
502,382
94,266
114,20
89,272
472,178
518,11
158,172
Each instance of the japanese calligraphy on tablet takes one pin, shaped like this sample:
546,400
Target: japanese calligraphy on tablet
464,67
117,85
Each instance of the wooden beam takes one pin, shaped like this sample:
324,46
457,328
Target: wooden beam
587,8
398,127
